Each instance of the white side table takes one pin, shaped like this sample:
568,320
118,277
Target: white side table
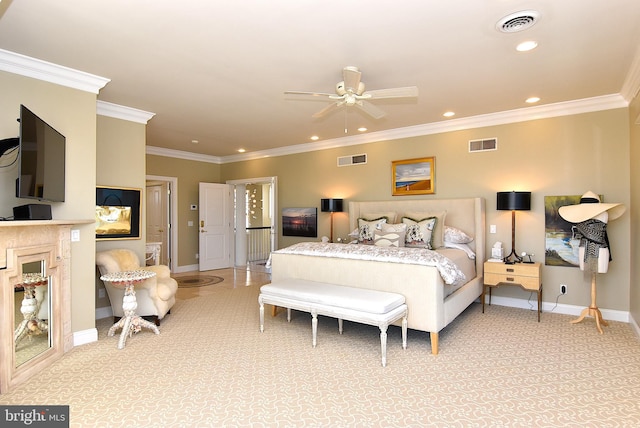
130,322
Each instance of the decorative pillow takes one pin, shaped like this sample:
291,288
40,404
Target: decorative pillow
367,228
397,227
420,232
456,236
438,231
389,215
388,239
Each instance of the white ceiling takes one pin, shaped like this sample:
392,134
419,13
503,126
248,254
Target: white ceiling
215,71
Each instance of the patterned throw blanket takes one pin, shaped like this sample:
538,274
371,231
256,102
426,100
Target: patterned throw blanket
416,256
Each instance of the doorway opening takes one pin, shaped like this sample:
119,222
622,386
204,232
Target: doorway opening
161,212
255,221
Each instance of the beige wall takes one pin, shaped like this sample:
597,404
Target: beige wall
559,156
634,214
72,113
189,174
120,163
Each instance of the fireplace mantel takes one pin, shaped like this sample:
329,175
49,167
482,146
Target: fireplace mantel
28,241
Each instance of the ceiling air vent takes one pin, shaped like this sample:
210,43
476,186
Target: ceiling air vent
518,21
352,160
483,145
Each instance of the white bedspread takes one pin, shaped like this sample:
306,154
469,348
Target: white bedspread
449,272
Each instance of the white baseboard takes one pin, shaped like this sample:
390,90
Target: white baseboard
560,308
85,336
104,312
187,268
634,324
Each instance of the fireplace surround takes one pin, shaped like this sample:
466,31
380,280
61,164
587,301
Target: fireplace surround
43,245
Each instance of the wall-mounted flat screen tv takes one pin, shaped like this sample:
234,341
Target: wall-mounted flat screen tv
42,159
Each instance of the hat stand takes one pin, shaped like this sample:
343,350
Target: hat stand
592,310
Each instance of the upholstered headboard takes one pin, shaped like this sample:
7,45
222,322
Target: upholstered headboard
467,214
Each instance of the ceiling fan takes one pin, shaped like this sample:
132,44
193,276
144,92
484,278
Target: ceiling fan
351,92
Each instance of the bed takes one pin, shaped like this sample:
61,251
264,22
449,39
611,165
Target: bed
433,302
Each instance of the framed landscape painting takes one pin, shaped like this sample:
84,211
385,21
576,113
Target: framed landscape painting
413,176
300,222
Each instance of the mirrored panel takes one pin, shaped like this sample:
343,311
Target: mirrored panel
32,306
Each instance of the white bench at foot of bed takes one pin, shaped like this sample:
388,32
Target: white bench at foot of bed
379,308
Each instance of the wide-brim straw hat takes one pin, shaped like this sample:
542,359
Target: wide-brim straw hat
590,207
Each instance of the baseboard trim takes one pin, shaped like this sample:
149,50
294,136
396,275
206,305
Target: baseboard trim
104,312
634,324
187,268
560,308
85,336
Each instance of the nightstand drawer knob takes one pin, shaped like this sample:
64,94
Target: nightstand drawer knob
510,279
509,270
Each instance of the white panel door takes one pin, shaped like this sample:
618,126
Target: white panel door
157,217
215,244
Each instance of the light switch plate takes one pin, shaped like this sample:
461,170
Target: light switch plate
75,235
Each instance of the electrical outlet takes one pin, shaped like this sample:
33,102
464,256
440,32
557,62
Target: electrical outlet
563,288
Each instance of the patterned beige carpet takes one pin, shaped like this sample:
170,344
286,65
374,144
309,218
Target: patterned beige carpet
211,367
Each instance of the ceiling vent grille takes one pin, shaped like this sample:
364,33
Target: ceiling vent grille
483,145
518,21
352,160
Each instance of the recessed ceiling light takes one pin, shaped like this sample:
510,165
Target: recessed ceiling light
527,46
362,129
195,141
241,150
449,114
532,100
315,138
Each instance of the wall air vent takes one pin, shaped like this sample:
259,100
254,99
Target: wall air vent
483,145
352,160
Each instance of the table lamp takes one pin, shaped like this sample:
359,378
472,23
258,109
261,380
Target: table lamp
513,201
331,206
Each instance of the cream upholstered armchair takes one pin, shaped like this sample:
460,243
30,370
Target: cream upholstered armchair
155,296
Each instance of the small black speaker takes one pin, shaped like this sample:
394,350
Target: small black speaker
32,212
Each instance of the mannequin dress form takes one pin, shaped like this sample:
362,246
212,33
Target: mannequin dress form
602,267
590,218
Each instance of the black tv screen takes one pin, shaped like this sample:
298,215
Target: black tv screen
42,159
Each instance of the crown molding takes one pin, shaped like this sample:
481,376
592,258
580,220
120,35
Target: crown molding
42,70
587,105
631,85
180,154
117,111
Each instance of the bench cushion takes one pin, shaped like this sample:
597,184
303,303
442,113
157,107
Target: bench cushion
358,299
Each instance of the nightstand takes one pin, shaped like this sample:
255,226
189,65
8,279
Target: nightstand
526,275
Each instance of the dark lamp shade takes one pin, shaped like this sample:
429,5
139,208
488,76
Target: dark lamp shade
514,201
331,205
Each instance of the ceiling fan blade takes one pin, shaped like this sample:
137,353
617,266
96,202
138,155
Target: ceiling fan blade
351,76
328,109
370,109
313,94
405,92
